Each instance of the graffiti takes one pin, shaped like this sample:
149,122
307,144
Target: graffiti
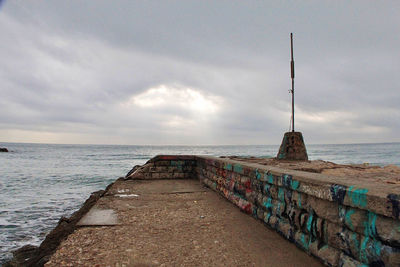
278,202
228,166
288,182
395,201
338,192
257,174
358,196
238,168
347,218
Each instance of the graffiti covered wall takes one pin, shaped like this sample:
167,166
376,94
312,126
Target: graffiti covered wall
340,223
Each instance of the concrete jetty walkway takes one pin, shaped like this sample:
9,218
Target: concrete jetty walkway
172,223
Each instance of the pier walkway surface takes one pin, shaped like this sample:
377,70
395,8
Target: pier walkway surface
172,223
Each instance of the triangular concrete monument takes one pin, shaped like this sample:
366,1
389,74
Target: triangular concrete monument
292,147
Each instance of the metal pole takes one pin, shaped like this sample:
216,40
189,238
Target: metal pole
292,75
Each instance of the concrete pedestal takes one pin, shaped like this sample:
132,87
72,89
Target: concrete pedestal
292,147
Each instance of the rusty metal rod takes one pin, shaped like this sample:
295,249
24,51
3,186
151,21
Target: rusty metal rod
292,75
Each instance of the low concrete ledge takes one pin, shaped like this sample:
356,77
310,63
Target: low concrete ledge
340,220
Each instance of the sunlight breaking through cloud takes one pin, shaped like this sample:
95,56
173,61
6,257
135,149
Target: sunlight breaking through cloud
178,96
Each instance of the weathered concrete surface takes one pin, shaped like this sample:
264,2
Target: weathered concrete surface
175,223
361,173
292,147
99,217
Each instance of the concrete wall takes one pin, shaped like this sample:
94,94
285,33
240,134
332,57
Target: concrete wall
340,223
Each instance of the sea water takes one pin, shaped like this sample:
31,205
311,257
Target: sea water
39,183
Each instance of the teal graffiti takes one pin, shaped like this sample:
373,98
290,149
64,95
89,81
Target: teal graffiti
228,166
281,194
304,242
177,163
369,233
268,177
363,250
371,229
358,196
268,203
258,175
309,221
355,240
238,168
295,184
348,220
299,200
278,208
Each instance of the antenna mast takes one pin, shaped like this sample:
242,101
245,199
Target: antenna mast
292,147
292,75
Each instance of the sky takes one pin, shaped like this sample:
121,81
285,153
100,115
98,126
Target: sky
198,72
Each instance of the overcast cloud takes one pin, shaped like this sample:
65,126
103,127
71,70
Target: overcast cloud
198,72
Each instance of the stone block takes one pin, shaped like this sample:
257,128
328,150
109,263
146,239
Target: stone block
257,186
329,255
189,175
165,175
285,229
162,168
273,221
245,181
346,261
251,196
178,175
336,236
155,175
153,169
271,190
323,208
259,200
299,199
342,238
278,208
370,250
162,163
388,230
302,240
260,213
390,256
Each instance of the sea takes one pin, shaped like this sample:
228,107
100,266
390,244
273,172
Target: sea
39,183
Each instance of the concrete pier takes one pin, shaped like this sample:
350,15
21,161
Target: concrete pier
174,223
202,211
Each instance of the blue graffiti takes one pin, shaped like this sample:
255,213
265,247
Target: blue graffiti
338,192
267,188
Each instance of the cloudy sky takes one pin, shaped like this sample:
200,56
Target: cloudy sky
198,72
